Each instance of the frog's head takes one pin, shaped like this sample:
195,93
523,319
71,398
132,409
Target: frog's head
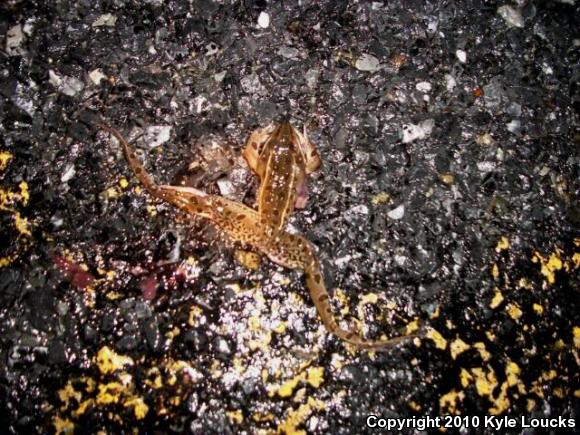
275,137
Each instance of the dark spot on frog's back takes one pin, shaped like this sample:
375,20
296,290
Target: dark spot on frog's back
254,145
323,297
317,278
240,217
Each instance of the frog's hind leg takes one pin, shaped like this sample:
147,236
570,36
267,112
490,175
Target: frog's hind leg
191,200
320,297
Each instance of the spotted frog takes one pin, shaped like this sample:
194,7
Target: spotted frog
282,157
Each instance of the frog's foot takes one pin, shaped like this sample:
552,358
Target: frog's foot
248,259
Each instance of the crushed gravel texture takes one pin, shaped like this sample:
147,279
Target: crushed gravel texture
447,198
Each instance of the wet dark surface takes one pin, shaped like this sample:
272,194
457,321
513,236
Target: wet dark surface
447,198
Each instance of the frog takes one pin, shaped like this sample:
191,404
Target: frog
276,153
282,157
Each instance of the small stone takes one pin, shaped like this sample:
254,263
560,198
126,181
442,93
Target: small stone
69,172
96,76
544,171
447,178
514,126
225,186
105,20
211,49
511,16
423,87
66,85
312,78
156,135
514,109
450,82
412,132
14,39
397,213
219,77
461,56
264,20
366,62
360,209
484,139
289,52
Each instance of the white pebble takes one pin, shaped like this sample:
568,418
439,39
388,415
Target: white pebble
366,62
461,56
514,126
105,20
360,209
263,20
450,82
14,38
423,87
67,85
417,131
397,213
96,76
157,135
512,16
69,172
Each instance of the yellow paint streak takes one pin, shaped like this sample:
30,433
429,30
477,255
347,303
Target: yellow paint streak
24,195
576,335
437,338
236,416
108,361
195,315
465,378
496,300
576,260
457,347
110,393
514,311
550,265
412,327
5,157
62,425
381,198
287,388
68,392
448,402
83,406
436,313
485,381
298,416
502,244
315,376
447,178
139,406
495,271
483,353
